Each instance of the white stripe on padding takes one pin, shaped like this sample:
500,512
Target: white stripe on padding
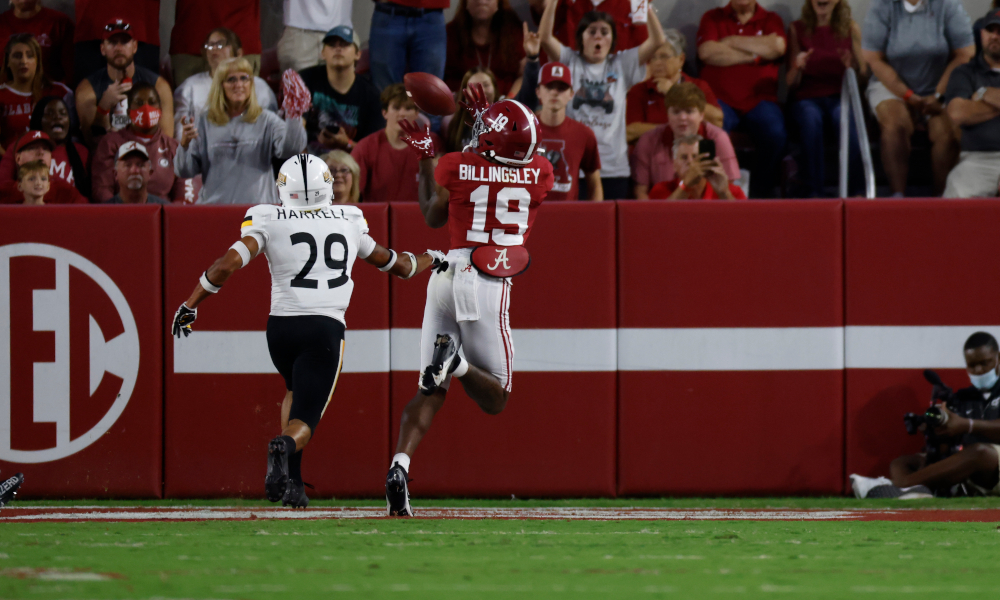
246,352
731,349
900,347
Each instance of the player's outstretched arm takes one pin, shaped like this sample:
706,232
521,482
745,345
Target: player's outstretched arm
211,281
433,198
404,264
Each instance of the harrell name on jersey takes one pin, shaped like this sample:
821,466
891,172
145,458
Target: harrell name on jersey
310,254
489,203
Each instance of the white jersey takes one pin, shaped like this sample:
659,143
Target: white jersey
310,254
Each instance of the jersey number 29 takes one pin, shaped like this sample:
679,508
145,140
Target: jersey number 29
480,197
300,280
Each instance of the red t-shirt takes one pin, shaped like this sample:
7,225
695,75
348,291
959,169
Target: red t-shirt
570,12
59,169
143,17
196,19
60,192
16,107
54,32
645,104
506,67
488,203
388,174
662,191
742,87
825,71
569,147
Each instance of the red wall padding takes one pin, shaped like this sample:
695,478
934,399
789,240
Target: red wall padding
125,461
557,434
912,263
715,265
218,425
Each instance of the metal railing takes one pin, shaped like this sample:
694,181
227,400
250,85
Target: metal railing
850,104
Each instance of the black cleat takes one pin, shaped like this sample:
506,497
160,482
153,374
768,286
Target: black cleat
295,494
397,495
276,480
8,489
444,361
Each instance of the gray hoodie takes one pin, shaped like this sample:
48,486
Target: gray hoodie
234,160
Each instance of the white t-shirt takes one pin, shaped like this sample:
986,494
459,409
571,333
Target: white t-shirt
310,254
599,102
317,15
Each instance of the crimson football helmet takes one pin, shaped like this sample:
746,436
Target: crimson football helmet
507,132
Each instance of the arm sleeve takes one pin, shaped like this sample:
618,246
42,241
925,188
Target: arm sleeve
182,108
190,162
366,245
103,170
255,225
960,85
707,31
875,32
957,26
632,70
567,57
529,81
288,137
775,25
634,105
445,169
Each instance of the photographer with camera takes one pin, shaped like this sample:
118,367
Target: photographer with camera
962,453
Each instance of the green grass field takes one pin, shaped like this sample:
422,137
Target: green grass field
374,558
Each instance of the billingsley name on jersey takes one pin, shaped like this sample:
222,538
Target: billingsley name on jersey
524,176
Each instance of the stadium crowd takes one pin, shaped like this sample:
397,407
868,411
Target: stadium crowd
623,112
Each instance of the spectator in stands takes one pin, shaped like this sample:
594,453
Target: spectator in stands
977,27
344,105
196,20
698,176
191,97
458,133
33,182
36,146
52,29
133,170
233,143
971,434
653,160
410,36
389,169
346,174
645,108
912,46
602,80
22,84
630,22
101,98
68,160
144,118
741,45
974,104
485,33
822,45
569,145
94,17
306,25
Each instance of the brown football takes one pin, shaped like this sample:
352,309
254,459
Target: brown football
430,93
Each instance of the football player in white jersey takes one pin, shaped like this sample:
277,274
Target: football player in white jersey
310,247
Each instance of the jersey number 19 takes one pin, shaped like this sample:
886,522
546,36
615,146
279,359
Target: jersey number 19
480,197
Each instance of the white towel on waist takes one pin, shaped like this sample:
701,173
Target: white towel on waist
466,290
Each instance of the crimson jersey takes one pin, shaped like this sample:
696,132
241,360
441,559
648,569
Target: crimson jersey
480,195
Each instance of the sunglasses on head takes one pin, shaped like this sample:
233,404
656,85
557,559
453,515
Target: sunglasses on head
117,27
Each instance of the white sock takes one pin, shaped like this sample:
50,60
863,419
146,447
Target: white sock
403,460
461,369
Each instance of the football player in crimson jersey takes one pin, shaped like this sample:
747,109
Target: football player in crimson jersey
488,196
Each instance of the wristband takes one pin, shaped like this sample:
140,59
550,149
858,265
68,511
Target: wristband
392,261
908,95
210,287
101,110
413,265
243,251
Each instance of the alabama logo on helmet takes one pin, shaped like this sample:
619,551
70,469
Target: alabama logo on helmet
507,132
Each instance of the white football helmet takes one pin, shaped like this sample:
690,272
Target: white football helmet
305,182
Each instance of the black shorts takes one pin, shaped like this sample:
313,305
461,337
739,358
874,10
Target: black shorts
308,351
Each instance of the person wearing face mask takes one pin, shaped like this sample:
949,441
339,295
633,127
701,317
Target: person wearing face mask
601,80
346,173
191,97
972,423
132,170
389,169
69,157
143,128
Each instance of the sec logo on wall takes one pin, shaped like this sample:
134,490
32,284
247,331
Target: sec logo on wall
51,398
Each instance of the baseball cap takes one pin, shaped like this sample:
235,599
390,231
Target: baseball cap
34,136
555,71
993,18
130,147
345,33
117,26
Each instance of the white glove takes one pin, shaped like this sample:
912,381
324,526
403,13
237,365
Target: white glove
440,263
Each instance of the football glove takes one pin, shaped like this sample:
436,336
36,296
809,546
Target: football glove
440,264
419,138
477,103
183,319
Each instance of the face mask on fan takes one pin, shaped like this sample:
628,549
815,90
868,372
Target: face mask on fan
986,381
145,117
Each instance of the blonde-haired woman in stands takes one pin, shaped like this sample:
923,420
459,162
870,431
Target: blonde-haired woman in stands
346,173
232,143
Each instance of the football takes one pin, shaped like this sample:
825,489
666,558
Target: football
430,93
